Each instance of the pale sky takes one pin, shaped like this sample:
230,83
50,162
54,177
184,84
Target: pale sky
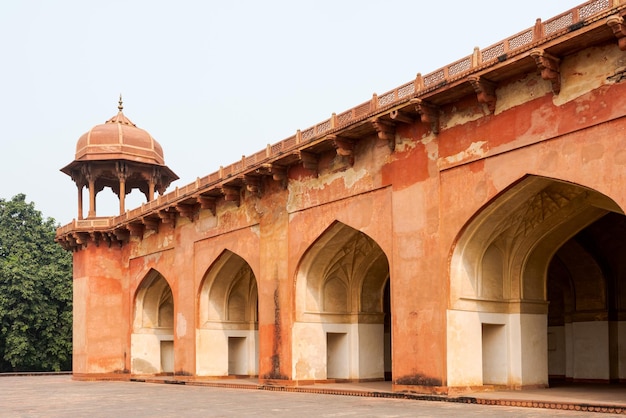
212,80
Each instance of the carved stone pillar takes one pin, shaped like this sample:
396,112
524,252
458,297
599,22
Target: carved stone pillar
92,197
121,175
151,184
80,200
89,180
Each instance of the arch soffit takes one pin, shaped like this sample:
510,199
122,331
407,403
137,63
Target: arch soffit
344,253
224,276
148,296
227,261
528,222
151,277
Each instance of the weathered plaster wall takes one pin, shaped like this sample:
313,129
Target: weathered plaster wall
468,306
101,329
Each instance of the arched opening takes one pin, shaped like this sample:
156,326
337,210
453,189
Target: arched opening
227,342
585,288
534,280
343,327
152,339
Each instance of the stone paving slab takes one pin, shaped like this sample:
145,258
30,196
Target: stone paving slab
578,397
60,396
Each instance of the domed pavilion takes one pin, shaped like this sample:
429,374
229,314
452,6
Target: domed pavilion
119,155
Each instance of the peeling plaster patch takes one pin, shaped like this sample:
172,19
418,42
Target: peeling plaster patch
404,144
432,148
459,118
581,73
166,241
298,189
256,230
474,150
520,92
181,325
205,222
143,366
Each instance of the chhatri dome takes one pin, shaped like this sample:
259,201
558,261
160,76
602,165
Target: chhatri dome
119,155
119,138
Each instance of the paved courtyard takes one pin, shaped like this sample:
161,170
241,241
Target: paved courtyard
60,396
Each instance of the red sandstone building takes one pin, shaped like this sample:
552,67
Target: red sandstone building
465,229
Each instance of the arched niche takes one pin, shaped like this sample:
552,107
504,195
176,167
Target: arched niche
340,308
227,342
152,338
500,278
342,254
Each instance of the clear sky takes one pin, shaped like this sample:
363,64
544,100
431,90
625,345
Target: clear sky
212,80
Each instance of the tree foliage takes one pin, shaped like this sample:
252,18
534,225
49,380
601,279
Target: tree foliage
35,291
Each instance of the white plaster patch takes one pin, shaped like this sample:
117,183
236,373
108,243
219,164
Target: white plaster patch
474,150
522,91
181,325
581,73
432,147
297,189
404,144
456,118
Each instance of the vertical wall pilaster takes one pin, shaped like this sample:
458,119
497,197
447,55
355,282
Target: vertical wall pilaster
275,288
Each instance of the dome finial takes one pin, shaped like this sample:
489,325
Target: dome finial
120,106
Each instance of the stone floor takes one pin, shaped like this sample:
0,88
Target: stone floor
61,396
565,396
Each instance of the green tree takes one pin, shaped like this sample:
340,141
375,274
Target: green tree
35,291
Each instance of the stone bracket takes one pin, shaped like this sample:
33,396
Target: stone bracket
386,131
189,211
399,116
549,66
254,184
150,224
231,194
82,239
428,112
167,217
95,237
278,172
207,202
136,229
485,91
122,235
616,23
344,146
309,160
111,238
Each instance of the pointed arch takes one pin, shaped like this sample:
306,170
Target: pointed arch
227,342
528,222
153,302
522,252
228,291
346,254
152,338
342,325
